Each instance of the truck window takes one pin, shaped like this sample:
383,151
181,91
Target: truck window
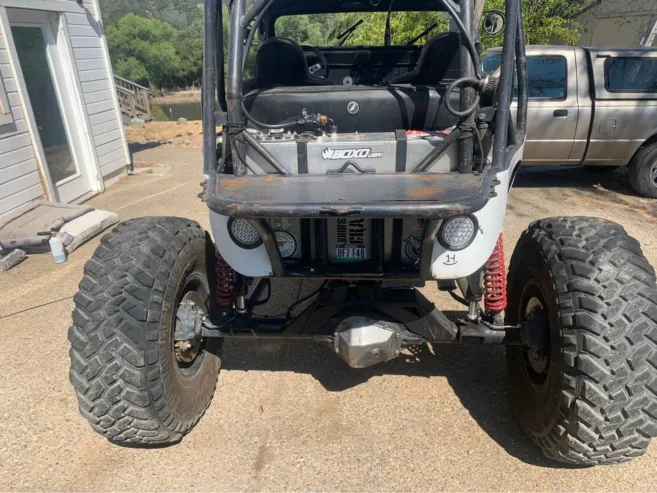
548,74
631,74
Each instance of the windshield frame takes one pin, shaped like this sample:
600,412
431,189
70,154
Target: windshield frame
304,7
271,31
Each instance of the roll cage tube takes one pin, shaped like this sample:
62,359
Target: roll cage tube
513,50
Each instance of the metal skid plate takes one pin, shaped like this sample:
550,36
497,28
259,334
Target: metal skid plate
363,342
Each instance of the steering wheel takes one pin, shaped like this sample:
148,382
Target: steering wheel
322,64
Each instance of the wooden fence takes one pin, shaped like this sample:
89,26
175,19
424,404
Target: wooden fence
134,100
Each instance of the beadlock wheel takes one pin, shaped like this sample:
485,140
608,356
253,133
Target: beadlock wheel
134,383
591,398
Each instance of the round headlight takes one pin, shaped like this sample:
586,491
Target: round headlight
458,233
243,234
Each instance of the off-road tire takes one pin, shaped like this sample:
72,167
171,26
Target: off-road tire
123,365
642,170
598,404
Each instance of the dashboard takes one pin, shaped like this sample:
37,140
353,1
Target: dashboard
361,65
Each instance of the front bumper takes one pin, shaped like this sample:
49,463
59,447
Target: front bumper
423,196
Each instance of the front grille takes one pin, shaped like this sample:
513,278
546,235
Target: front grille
350,247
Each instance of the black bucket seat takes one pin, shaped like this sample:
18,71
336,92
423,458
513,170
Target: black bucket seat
439,62
281,62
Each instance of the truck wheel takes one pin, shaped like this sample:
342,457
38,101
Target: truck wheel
591,397
133,382
643,171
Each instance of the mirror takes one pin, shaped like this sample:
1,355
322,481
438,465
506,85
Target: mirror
493,23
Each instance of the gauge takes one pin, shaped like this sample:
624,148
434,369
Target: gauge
287,244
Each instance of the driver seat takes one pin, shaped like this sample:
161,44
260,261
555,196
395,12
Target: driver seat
280,62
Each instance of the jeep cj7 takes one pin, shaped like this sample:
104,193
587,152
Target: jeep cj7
374,170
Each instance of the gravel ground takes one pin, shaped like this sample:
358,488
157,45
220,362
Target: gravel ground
291,416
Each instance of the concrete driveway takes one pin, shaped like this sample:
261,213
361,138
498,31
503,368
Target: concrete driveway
290,416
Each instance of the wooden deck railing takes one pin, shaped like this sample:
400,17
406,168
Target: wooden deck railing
134,99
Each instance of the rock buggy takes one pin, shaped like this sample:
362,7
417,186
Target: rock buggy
366,168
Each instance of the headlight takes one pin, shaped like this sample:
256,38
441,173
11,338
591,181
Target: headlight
458,233
243,234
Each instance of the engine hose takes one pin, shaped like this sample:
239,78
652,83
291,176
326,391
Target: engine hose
469,82
287,124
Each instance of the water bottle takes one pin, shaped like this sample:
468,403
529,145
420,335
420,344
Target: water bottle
57,249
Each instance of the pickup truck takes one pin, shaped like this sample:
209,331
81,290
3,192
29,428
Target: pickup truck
592,107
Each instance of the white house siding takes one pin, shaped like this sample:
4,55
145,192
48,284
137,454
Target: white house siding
98,90
20,180
618,22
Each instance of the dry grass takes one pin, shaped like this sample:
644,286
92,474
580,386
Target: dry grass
178,97
189,135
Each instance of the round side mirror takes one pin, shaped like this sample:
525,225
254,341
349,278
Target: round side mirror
493,23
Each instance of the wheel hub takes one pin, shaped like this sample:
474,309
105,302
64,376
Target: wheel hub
186,352
188,312
538,359
653,175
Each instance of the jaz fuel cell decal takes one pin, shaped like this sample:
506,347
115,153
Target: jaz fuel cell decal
412,238
413,248
287,233
287,244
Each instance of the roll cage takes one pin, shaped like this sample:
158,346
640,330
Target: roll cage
232,193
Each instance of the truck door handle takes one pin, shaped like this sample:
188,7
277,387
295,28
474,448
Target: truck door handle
560,113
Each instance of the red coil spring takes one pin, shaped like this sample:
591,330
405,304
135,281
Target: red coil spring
226,294
495,280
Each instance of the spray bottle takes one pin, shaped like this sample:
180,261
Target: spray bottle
56,246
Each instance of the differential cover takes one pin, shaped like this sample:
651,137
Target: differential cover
363,342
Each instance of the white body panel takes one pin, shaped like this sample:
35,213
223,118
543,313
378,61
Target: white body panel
447,264
249,263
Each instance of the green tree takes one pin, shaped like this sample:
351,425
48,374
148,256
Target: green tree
143,50
179,13
546,21
404,26
305,29
189,47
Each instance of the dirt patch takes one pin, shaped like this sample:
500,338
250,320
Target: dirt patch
189,135
178,97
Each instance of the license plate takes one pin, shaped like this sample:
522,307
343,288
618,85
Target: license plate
350,253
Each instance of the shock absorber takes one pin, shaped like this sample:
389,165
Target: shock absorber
495,281
226,293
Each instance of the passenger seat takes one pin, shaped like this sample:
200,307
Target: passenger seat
439,62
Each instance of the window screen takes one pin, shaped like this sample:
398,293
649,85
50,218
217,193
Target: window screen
5,109
631,74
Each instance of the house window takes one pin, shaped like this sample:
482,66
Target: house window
631,74
5,109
